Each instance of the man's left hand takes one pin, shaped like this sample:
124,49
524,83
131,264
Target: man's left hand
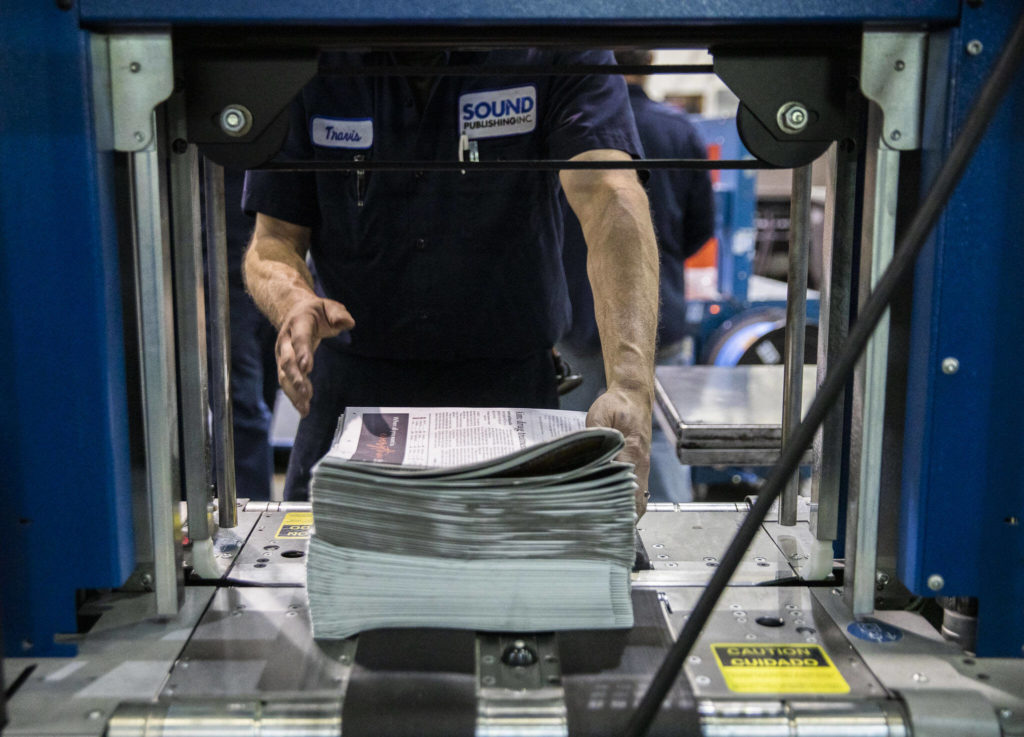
629,412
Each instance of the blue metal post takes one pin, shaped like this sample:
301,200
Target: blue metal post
963,501
64,468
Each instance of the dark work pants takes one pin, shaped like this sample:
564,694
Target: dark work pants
345,380
253,389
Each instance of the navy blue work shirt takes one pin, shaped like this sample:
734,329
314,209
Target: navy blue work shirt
444,265
683,212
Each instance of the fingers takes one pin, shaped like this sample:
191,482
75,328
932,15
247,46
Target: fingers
337,318
300,334
293,380
633,420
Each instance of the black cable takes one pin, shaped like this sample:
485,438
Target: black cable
874,308
522,70
515,165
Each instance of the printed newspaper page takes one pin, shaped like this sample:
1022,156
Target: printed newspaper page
440,437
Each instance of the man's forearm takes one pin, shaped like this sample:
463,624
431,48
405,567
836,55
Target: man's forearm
275,270
622,264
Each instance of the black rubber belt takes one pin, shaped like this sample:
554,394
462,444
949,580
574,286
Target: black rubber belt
422,682
606,673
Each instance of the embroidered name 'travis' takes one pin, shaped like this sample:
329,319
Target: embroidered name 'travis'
494,113
341,132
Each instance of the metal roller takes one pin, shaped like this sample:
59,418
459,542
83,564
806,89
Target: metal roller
306,718
322,718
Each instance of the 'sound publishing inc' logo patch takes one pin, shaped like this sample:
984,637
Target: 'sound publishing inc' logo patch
341,132
495,113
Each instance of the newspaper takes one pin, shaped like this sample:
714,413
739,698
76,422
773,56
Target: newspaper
444,437
493,519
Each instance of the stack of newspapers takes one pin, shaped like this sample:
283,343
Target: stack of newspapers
486,519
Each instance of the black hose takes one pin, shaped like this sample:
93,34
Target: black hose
874,308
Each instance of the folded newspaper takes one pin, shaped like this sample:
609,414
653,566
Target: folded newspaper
488,519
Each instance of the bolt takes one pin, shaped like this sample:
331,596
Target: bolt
147,581
950,365
179,146
343,658
837,592
900,65
792,117
134,67
1005,713
487,660
694,660
488,680
882,579
140,136
895,135
936,582
235,120
94,714
702,681
751,637
709,559
921,678
974,47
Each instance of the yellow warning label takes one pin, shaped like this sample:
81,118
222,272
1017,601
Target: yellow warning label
778,668
295,525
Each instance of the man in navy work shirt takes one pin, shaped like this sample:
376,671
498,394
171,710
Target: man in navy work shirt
683,210
447,286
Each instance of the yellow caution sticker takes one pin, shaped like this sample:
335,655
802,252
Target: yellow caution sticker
295,525
778,668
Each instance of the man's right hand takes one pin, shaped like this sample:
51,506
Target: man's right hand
307,323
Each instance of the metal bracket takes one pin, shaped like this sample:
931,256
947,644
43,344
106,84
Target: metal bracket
141,77
892,75
237,106
793,105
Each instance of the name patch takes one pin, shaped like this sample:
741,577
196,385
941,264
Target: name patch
496,113
341,132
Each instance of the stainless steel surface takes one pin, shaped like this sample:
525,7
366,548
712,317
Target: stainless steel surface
869,394
519,701
833,327
190,309
272,556
159,508
726,414
209,718
220,344
892,74
735,621
126,655
876,718
796,325
256,642
686,545
141,77
914,658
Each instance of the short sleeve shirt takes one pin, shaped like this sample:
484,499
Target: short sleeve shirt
444,264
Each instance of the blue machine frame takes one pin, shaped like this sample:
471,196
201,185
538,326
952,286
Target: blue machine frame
65,468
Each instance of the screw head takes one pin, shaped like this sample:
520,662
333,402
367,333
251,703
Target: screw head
139,136
235,120
936,582
975,47
94,714
921,678
950,365
896,135
702,681
792,117
134,67
900,65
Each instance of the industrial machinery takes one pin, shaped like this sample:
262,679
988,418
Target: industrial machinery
134,603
